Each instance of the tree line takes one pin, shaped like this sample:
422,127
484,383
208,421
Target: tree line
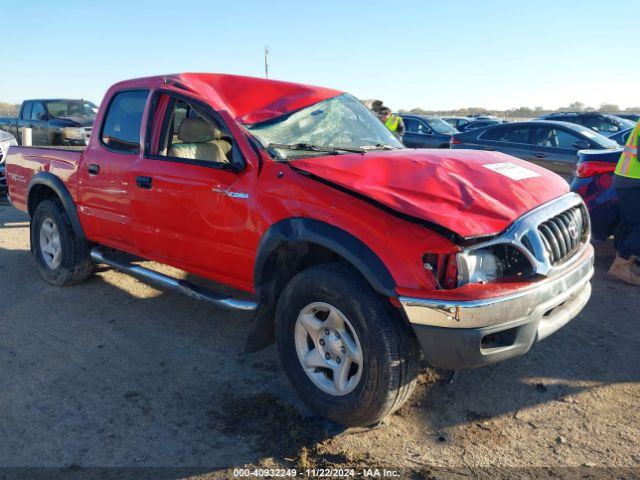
9,109
523,112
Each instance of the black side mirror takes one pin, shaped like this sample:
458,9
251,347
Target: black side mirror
581,144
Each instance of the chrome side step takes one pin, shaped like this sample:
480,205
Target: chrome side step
98,255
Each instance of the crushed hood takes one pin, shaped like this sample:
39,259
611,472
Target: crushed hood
472,193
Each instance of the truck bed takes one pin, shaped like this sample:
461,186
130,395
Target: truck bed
23,163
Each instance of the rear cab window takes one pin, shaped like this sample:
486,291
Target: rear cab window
122,122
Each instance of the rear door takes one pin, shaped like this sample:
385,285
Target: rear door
556,148
510,139
105,188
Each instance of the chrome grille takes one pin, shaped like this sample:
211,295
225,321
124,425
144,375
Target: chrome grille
562,234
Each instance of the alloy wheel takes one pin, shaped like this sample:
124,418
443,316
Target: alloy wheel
328,348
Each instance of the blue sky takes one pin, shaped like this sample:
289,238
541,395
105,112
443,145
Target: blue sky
431,54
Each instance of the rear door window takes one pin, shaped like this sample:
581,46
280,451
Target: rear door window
517,135
121,127
508,134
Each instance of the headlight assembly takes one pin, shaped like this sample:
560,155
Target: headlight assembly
479,266
74,133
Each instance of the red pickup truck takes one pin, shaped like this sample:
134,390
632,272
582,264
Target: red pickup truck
354,252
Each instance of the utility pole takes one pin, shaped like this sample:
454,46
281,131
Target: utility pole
266,61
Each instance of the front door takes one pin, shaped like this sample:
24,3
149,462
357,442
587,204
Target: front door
40,134
556,149
104,184
417,134
514,140
191,205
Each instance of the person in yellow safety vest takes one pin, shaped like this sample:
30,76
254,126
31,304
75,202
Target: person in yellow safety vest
392,122
626,181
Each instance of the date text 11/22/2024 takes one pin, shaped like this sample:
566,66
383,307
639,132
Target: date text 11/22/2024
316,473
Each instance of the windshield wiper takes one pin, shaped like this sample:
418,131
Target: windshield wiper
380,146
315,148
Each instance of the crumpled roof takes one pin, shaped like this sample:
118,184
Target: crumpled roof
253,100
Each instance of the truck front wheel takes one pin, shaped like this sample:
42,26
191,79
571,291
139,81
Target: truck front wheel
346,353
61,257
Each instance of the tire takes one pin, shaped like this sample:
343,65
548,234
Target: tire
72,264
390,353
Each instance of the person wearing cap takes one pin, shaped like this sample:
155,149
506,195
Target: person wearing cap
391,121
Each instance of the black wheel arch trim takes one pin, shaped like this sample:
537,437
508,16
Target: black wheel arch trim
343,243
54,183
289,234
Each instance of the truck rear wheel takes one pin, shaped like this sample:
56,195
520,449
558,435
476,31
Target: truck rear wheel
344,351
61,257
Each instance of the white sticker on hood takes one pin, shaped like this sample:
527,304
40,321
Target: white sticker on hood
511,170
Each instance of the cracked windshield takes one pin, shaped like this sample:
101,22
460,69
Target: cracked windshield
337,125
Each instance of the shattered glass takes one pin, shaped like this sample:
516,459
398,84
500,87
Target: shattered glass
341,121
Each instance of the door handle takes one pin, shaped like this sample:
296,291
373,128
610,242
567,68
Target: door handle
93,169
539,155
144,182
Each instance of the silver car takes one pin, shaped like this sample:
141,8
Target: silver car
6,140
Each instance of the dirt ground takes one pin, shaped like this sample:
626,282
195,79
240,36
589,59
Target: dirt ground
115,373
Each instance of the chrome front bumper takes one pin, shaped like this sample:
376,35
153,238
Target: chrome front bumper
472,333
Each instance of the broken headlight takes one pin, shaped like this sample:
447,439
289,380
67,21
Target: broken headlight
478,266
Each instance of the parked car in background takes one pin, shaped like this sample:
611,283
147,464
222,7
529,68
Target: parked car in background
553,145
634,117
480,124
603,123
421,131
6,141
53,121
593,181
351,250
622,136
457,122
